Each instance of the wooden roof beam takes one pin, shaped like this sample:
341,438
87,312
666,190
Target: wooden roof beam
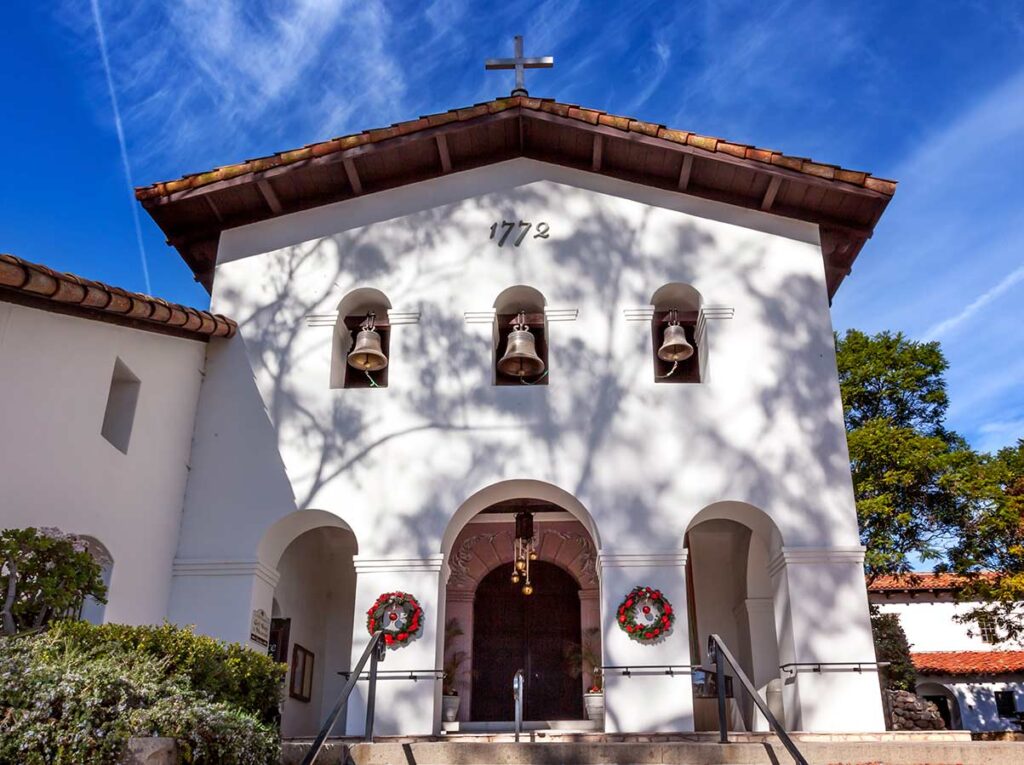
353,176
771,192
442,152
598,150
269,196
684,172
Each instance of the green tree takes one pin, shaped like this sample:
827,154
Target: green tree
44,574
905,463
989,547
891,646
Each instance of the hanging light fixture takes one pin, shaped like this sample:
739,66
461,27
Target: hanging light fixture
366,354
521,359
523,552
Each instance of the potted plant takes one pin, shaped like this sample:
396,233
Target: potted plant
452,664
587,661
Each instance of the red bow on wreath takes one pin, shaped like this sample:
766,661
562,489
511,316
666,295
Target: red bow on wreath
398,615
646,615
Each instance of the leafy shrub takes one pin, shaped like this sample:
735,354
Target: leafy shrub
222,672
891,645
65,705
44,574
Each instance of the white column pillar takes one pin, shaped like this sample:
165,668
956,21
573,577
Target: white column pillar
759,615
219,596
821,615
410,707
653,702
459,605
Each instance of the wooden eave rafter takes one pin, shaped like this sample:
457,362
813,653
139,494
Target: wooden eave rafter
197,209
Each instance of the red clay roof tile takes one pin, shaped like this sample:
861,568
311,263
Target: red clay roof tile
968,662
39,286
570,111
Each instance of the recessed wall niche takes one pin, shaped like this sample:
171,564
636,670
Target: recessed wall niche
353,311
676,303
509,305
122,398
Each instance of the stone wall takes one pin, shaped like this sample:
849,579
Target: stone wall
907,711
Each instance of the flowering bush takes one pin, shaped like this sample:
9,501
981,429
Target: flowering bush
63,704
227,672
44,574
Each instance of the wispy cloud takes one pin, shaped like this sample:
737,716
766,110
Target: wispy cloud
126,165
946,326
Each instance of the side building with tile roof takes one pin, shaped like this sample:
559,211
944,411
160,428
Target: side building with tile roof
975,677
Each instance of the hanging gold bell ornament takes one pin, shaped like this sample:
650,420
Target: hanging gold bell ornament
521,359
675,347
366,354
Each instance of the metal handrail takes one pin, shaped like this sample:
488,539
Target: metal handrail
398,674
717,649
857,666
628,670
518,691
374,652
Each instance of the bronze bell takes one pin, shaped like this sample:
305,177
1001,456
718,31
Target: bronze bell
366,354
675,346
521,359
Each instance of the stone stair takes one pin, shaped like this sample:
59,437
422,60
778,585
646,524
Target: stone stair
696,749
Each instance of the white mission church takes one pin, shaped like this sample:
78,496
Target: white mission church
511,362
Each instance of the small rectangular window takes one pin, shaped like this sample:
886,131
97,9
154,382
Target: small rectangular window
1006,705
121,400
987,629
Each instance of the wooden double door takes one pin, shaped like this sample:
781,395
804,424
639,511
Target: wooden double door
538,633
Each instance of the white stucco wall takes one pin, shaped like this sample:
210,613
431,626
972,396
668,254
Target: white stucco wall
931,624
764,428
976,699
57,469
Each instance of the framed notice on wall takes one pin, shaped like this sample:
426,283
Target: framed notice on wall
301,686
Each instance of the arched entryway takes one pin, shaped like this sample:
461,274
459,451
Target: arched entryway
311,613
730,545
539,634
492,628
946,702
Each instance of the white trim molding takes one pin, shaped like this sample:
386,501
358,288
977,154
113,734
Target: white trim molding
366,565
225,567
816,556
642,560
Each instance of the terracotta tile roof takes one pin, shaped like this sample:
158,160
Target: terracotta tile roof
42,287
919,582
568,111
969,662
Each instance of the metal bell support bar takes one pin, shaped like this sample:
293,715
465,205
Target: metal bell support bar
366,354
521,359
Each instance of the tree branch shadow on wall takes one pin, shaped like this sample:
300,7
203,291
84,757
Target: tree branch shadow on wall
608,265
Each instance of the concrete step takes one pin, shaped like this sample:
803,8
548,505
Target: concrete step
767,751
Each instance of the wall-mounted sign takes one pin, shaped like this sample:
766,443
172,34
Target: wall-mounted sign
259,630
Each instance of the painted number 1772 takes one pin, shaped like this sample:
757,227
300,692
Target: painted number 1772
502,232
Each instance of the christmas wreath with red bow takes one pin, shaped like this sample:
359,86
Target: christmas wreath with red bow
646,615
398,615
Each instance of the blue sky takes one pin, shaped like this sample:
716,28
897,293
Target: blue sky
928,93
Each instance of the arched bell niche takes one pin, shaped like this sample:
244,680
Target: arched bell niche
678,303
507,307
352,312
